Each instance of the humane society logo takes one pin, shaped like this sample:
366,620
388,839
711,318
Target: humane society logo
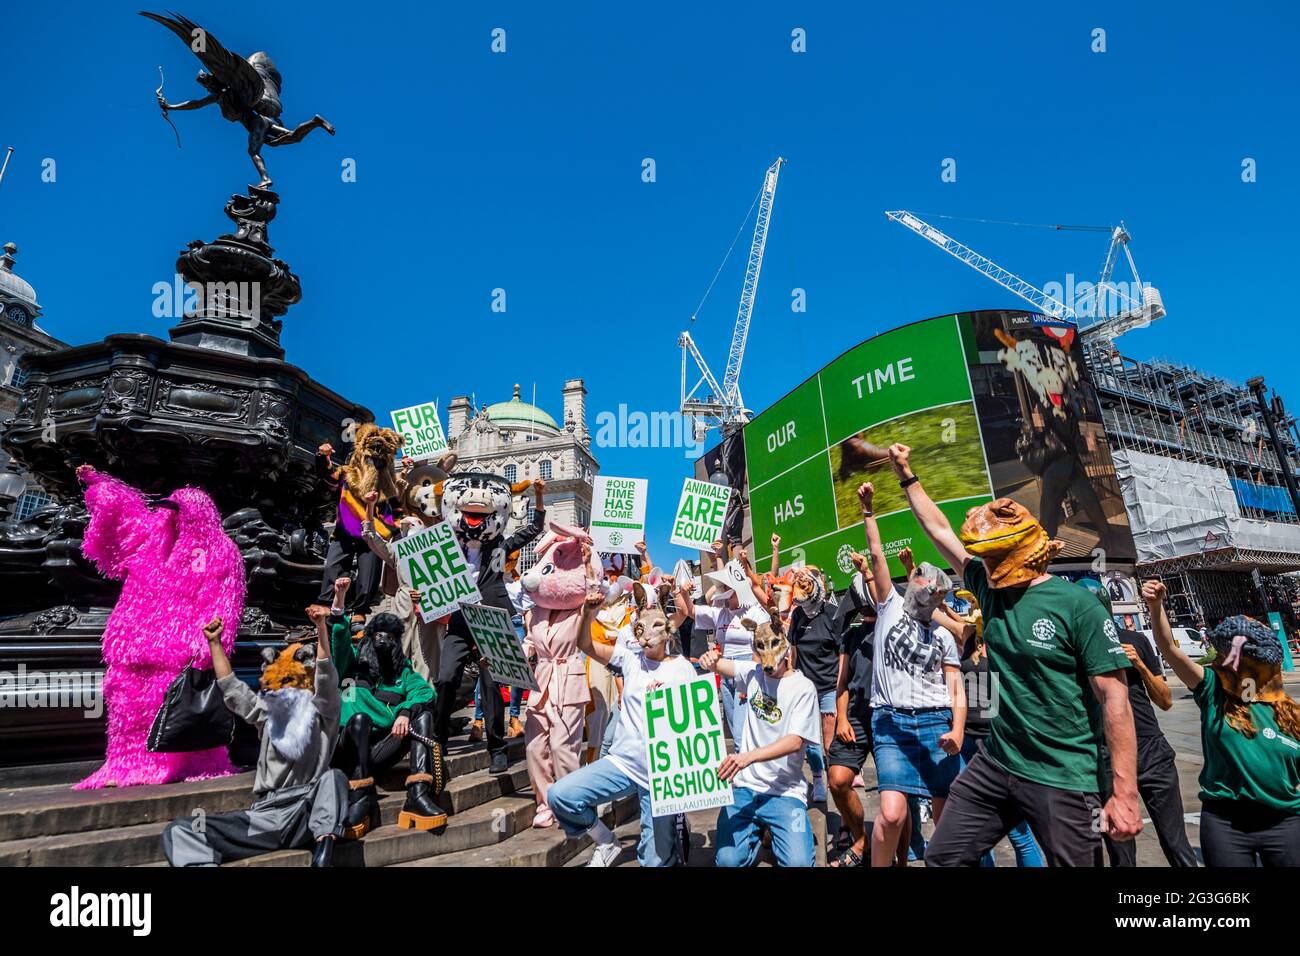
1044,631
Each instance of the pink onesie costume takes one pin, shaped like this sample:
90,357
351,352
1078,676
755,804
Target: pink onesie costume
557,583
179,570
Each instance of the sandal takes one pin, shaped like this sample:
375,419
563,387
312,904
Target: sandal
849,858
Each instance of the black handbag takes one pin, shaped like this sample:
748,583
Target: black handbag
193,715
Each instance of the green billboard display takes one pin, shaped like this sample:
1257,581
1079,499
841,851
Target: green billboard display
806,455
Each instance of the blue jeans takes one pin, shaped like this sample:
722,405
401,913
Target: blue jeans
574,798
1022,838
516,698
735,708
738,829
816,757
611,728
916,842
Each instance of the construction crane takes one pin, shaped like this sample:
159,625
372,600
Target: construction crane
721,406
1135,315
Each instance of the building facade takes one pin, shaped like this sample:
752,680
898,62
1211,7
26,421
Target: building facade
520,442
1204,486
20,336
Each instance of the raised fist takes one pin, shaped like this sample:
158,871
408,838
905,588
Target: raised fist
866,492
1154,591
900,455
212,630
326,450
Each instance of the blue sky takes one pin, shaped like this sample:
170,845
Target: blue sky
522,171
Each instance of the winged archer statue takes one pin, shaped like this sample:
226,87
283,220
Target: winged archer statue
247,90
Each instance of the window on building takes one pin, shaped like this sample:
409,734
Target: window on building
511,472
30,502
19,377
528,553
545,468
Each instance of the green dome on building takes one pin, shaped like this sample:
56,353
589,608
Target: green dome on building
519,414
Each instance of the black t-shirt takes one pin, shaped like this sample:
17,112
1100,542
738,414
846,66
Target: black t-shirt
817,644
856,645
1144,715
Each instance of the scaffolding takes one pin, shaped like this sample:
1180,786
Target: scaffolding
1175,411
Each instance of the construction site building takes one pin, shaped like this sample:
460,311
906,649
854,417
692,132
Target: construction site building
1203,485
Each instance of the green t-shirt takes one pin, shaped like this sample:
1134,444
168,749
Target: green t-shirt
1264,768
1044,642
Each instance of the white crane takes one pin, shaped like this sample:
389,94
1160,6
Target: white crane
722,406
1135,314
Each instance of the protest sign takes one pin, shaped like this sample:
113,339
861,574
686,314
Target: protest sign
420,426
685,744
431,561
618,513
700,514
494,633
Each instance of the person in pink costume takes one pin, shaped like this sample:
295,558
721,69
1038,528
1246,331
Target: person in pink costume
558,584
179,570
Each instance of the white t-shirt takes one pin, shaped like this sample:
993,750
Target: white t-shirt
729,630
908,659
629,750
777,708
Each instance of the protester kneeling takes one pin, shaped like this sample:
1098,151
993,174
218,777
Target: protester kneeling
767,774
649,664
299,801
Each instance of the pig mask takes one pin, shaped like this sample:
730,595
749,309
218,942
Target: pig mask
558,580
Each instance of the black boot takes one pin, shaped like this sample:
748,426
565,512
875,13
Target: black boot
428,776
362,814
323,853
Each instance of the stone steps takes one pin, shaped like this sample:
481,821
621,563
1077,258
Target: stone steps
535,848
55,826
56,809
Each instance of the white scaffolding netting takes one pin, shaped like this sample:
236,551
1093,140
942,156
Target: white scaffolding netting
1180,508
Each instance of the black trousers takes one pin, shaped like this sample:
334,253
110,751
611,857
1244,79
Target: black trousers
363,752
458,650
1245,833
986,802
345,555
1158,785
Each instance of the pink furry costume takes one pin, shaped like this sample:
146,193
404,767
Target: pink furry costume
557,583
180,570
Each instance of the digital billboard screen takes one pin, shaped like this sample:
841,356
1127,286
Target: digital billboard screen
993,404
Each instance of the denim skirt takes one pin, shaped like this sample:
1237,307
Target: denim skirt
907,752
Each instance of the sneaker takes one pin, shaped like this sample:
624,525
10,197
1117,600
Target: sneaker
514,729
499,764
543,818
604,854
819,789
475,731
